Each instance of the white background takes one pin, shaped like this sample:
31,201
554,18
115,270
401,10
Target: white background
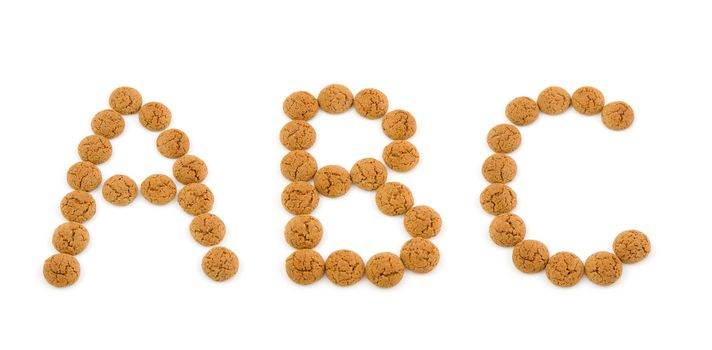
224,70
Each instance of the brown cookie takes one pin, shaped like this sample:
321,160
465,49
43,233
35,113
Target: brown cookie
369,174
303,232
420,255
158,189
394,198
61,270
530,256
498,199
304,266
125,100
401,155
190,169
588,100
300,105
196,199
154,116
617,115
300,197
371,103
119,190
507,230
207,229
335,98
399,125
522,111
385,270
499,168
84,176
95,148
344,267
603,268
78,206
108,123
298,166
70,238
422,221
564,269
504,138
220,264
173,143
631,246
297,135
332,181
553,100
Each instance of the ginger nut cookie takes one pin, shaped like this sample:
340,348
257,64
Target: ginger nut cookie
304,266
158,189
70,238
207,229
498,199
420,255
119,190
371,103
332,181
344,267
530,256
84,176
78,206
300,105
61,270
335,98
499,168
564,269
631,246
298,166
588,100
507,230
299,198
190,169
108,123
154,116
504,138
303,232
553,100
603,268
173,143
196,199
95,148
385,270
399,125
220,264
617,115
394,198
401,155
369,174
125,100
422,221
297,135
522,111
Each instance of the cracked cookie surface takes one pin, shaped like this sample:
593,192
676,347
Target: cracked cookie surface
154,116
530,256
553,100
422,221
588,100
298,166
522,111
419,255
190,169
108,123
631,246
617,115
401,155
303,232
603,268
504,138
78,206
304,266
61,270
196,199
173,143
70,238
84,176
297,135
507,230
399,125
344,267
300,197
368,174
119,190
158,189
499,168
498,199
332,181
564,269
385,270
371,103
300,105
125,100
335,98
394,198
207,229
220,264
95,148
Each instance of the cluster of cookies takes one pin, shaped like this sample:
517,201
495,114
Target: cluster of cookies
304,232
563,269
78,206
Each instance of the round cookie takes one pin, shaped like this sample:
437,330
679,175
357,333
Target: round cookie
588,100
631,246
173,143
108,123
70,238
499,168
498,199
207,229
603,268
84,176
385,270
344,267
154,116
332,181
300,105
369,174
422,221
530,256
553,100
158,189
371,103
304,266
507,230
190,169
297,135
401,155
394,198
95,148
298,166
220,264
564,269
617,115
399,125
504,138
78,206
196,199
119,190
300,197
303,232
420,255
335,98
61,270
522,111
125,100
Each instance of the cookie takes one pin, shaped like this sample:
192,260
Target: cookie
371,103
108,123
498,199
603,268
368,174
95,148
207,229
196,199
335,98
588,100
303,232
385,270
125,100
84,176
299,198
631,246
304,266
507,230
190,169
564,269
344,267
499,168
173,143
158,189
522,111
530,256
419,255
61,270
399,125
154,116
401,155
300,105
422,221
504,138
70,238
298,166
220,264
332,181
297,135
553,100
394,198
617,115
119,190
78,206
